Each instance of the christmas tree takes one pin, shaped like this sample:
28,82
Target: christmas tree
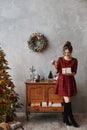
50,76
9,99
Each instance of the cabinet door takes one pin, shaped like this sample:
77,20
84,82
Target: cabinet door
52,96
36,93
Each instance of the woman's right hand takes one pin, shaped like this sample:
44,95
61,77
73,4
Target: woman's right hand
53,62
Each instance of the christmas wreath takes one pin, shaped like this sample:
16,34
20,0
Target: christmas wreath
37,42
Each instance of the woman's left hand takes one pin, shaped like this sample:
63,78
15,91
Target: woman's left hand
70,74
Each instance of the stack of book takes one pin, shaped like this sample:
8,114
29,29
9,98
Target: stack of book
46,104
35,104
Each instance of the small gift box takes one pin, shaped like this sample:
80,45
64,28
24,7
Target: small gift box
66,70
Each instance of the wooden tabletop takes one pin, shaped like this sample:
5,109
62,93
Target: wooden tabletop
41,82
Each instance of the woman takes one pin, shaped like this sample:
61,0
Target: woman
66,66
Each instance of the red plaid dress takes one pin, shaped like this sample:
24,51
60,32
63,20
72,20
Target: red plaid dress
66,85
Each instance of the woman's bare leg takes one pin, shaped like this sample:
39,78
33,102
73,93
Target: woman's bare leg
67,99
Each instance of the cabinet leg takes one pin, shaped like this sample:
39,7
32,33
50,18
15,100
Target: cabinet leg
27,115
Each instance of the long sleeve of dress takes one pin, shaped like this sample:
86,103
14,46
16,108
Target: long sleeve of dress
58,65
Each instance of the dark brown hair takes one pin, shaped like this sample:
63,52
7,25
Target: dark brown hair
68,46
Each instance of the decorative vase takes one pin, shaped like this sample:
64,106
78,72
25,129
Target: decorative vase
32,73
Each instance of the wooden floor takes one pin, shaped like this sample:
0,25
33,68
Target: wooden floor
51,121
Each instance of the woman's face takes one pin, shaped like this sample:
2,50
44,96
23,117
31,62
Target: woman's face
67,53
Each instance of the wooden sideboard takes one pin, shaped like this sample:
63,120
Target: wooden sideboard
41,97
